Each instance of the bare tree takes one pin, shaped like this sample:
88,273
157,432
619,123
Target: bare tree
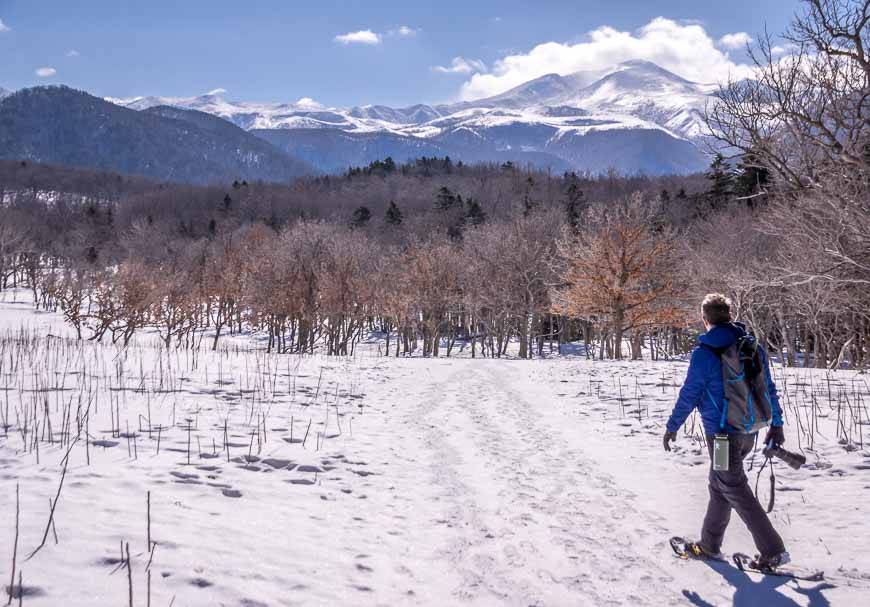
620,267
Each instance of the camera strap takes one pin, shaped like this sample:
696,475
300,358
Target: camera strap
772,499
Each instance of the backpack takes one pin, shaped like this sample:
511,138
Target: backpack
746,408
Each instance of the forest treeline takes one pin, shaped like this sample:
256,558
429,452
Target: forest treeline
428,253
433,252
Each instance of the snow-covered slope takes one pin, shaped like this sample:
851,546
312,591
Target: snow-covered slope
633,89
448,481
304,114
648,92
551,115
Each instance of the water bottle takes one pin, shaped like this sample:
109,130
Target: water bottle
720,452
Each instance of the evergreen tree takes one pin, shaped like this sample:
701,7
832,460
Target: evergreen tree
574,205
393,216
752,179
446,200
529,204
360,217
474,214
721,182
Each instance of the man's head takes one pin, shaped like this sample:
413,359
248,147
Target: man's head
716,310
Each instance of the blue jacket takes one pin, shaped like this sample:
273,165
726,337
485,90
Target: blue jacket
704,380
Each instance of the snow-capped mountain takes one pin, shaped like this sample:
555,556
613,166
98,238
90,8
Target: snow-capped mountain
635,89
634,117
4,92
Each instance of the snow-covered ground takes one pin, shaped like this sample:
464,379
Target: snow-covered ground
420,482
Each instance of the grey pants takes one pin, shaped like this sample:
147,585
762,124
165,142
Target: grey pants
730,490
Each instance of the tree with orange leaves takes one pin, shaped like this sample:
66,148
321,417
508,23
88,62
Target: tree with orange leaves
619,267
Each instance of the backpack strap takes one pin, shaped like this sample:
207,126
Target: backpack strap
717,351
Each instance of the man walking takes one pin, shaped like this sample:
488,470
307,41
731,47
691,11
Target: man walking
720,405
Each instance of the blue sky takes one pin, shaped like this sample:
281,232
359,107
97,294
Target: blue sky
352,52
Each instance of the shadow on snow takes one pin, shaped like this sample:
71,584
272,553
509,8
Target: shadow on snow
761,591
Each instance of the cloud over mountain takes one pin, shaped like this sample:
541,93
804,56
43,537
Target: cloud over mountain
461,65
683,48
735,41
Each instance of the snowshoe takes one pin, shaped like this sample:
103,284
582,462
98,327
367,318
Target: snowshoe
687,549
780,566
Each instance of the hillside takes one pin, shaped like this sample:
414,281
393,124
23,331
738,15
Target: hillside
59,125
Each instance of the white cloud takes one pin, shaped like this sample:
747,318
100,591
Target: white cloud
735,40
405,32
4,27
685,49
73,53
360,37
217,91
782,50
46,72
307,103
461,65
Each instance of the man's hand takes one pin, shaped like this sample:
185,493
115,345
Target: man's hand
775,435
667,438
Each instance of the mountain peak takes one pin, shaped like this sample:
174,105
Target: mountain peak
640,63
210,98
653,69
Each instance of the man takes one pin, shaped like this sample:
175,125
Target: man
729,489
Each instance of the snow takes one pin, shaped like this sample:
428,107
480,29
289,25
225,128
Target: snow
631,95
440,482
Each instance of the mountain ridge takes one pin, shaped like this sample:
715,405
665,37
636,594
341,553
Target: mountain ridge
635,117
60,125
535,118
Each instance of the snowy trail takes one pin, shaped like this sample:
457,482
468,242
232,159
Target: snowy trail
532,520
534,504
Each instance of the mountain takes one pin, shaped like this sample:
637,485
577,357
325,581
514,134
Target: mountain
667,100
4,92
542,91
60,125
637,89
634,117
409,115
334,150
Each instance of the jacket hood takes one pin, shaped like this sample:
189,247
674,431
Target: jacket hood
722,336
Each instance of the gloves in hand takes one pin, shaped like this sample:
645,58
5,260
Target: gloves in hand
667,438
775,435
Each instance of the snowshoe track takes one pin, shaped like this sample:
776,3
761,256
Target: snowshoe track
475,426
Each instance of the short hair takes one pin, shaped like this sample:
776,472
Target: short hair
716,309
